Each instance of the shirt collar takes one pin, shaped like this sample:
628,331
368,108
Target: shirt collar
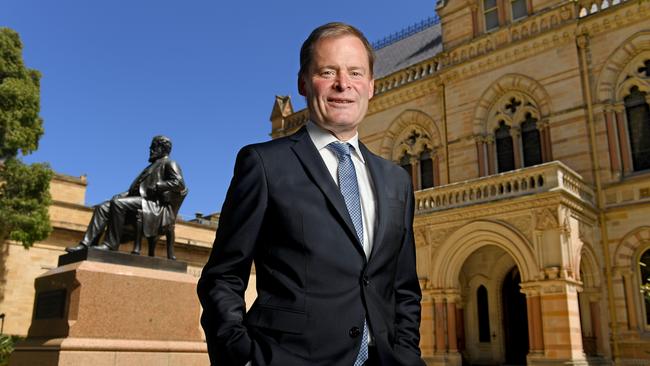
321,138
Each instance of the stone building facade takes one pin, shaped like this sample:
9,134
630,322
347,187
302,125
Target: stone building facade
525,126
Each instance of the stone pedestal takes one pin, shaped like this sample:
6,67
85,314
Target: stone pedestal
98,313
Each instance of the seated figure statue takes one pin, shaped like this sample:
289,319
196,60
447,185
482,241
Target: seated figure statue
153,199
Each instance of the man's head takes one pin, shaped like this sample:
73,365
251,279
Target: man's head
161,146
335,77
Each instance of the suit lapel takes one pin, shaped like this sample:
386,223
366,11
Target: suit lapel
379,183
315,167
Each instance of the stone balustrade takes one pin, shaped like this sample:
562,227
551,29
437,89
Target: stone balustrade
589,7
407,75
548,177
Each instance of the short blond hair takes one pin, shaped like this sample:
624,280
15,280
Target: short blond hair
333,29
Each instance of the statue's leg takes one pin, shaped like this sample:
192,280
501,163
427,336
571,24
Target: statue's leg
117,214
137,243
170,235
95,227
97,223
152,240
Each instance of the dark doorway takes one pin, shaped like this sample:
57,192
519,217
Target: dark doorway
515,320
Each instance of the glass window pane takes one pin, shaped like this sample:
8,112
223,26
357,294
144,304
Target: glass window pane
638,120
644,269
505,149
426,173
519,9
483,315
491,20
489,4
530,139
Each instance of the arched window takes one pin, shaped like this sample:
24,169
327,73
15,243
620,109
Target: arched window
417,154
531,142
518,9
644,272
405,162
505,151
483,314
426,169
638,122
491,14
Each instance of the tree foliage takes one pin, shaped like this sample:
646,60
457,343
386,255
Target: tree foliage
24,189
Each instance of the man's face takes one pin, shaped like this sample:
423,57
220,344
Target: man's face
338,85
156,151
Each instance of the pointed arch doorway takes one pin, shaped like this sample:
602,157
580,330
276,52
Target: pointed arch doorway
515,320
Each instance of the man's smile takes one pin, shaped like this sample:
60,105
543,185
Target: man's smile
340,101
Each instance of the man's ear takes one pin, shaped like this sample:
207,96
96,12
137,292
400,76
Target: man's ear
371,90
301,86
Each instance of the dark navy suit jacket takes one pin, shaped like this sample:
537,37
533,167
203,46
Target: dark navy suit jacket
284,212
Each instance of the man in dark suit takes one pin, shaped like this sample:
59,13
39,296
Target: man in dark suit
153,192
329,227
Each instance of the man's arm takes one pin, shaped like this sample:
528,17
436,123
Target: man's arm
224,278
173,178
407,287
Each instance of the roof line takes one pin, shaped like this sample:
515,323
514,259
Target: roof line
406,32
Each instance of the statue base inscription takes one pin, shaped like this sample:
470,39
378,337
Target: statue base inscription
94,312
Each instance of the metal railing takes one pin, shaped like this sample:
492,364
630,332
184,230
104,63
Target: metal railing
408,31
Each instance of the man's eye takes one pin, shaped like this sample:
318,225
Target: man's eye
356,74
327,73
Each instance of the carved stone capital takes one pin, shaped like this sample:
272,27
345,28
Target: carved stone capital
582,40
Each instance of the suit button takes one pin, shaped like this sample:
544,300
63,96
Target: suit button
366,281
354,332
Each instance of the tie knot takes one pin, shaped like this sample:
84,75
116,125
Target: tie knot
340,149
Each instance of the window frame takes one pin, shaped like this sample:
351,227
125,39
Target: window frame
495,10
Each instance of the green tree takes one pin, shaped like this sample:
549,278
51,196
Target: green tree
24,189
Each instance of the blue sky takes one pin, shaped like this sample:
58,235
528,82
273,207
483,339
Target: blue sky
205,73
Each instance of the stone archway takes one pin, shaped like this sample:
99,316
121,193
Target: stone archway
451,255
479,254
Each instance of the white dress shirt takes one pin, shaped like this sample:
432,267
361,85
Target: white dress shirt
321,138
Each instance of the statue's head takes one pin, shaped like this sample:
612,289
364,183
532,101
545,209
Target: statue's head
161,146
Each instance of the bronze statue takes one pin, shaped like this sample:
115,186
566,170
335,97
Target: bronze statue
152,203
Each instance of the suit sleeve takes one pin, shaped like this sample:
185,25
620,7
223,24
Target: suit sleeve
224,278
173,178
407,288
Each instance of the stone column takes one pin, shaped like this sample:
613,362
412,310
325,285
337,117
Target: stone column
460,326
451,323
534,310
612,141
515,133
561,328
415,172
491,159
545,136
439,321
480,154
475,28
427,325
626,153
501,11
436,171
628,285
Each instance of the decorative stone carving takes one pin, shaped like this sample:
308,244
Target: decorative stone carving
524,224
546,219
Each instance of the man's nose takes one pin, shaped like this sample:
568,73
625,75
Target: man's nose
342,82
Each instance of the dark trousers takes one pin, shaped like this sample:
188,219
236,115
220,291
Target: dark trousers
110,215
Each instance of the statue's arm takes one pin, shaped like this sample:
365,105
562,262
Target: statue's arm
173,178
121,195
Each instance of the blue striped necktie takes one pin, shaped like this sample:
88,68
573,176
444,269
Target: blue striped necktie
349,188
